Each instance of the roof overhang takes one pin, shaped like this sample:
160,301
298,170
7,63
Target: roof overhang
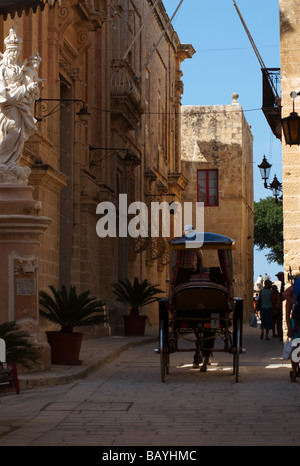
13,7
202,240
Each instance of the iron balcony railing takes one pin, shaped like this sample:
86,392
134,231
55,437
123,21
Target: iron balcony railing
271,105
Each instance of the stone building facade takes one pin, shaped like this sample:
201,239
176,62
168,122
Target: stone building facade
101,53
217,159
290,81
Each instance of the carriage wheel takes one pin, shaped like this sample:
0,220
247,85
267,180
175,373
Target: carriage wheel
164,352
236,357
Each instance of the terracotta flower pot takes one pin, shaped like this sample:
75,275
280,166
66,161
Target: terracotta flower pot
134,326
65,347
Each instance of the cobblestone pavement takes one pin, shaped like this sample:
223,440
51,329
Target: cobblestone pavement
124,403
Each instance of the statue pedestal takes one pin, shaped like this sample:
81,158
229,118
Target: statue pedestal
20,230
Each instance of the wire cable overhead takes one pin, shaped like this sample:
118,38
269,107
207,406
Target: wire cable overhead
261,62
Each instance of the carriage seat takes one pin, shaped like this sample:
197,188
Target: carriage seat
212,274
216,276
200,303
200,297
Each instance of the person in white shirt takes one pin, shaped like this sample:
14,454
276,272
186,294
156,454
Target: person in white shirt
259,282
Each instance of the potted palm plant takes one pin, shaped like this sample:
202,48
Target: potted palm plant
69,310
135,294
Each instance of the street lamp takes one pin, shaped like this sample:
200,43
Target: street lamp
291,125
265,169
275,186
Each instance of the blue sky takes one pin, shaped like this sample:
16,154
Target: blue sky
224,63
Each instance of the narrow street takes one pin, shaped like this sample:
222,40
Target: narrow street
124,403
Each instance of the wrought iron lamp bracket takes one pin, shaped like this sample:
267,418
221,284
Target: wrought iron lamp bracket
41,108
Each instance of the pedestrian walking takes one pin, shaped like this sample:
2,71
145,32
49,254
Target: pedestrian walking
292,333
259,282
266,304
291,295
277,314
280,276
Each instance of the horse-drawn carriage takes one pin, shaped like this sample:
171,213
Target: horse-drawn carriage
202,305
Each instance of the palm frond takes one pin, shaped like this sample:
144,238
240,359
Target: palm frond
19,350
136,294
70,309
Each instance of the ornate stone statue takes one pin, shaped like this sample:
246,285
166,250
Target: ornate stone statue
19,87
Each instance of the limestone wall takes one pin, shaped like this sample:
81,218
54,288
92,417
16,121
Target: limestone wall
134,107
290,81
218,137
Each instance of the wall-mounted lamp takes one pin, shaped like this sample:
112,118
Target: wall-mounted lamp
291,125
42,111
129,158
275,186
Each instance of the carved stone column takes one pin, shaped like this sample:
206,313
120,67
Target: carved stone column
20,230
20,223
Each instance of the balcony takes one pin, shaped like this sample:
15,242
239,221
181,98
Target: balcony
271,106
127,103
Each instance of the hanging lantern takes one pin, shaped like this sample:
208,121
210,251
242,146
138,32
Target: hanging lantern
291,125
291,129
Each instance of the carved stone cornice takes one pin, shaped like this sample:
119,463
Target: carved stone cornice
150,177
92,11
17,228
161,187
185,51
177,180
47,176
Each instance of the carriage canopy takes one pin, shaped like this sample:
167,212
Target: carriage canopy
206,242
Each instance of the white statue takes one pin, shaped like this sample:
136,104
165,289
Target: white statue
30,69
19,87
